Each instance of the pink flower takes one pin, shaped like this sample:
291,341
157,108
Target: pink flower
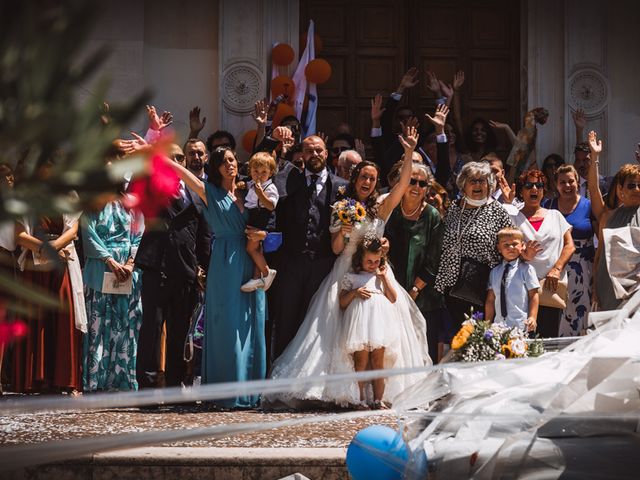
153,193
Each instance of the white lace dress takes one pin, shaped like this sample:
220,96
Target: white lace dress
319,346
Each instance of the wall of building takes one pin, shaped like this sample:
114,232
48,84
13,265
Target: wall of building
584,52
168,47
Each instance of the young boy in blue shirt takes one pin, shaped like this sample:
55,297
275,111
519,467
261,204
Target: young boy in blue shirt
513,294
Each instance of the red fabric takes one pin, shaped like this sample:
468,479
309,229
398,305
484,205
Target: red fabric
536,223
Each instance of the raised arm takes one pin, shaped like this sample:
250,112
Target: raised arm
189,179
260,117
505,128
580,122
195,124
458,81
443,167
597,202
408,140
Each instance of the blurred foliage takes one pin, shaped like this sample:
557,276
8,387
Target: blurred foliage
44,63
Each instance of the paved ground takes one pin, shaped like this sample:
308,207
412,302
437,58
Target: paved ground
30,428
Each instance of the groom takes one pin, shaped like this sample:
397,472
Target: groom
303,216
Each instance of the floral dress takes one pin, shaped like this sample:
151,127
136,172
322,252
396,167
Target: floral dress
111,344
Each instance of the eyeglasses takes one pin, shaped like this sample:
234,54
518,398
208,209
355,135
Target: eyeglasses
339,150
632,186
177,157
477,181
530,185
420,183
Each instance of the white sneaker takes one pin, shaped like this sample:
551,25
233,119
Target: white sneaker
252,285
268,280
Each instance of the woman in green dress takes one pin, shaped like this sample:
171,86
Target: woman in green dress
110,241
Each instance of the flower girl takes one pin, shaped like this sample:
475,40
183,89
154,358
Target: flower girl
367,295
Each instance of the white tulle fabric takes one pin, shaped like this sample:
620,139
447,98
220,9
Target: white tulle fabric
320,346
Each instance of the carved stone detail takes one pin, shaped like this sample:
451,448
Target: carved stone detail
241,87
588,90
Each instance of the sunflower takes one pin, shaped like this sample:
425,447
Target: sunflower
506,351
460,339
360,212
343,216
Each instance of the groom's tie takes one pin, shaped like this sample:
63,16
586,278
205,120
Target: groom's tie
313,192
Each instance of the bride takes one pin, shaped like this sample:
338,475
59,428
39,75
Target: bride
319,348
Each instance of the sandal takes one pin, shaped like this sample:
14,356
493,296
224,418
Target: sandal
380,405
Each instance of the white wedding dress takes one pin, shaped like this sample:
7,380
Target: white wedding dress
319,347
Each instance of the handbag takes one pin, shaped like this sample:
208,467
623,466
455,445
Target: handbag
557,299
471,285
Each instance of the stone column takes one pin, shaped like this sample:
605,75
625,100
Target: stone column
247,31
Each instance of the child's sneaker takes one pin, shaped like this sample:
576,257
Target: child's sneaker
252,285
268,280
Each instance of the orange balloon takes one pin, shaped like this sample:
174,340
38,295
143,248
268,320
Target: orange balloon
283,85
282,54
318,71
282,111
317,43
247,140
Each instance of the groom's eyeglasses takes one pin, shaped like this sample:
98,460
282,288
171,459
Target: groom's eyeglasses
420,183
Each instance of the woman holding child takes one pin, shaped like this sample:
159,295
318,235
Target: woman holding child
333,340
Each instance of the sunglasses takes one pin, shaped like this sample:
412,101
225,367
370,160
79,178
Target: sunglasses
632,186
420,183
339,150
177,157
530,185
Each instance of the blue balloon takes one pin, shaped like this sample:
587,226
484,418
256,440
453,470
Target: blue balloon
377,453
272,242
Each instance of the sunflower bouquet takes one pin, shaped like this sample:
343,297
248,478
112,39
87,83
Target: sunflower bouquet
347,212
478,340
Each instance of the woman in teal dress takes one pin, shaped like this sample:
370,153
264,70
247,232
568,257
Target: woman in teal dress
110,240
234,343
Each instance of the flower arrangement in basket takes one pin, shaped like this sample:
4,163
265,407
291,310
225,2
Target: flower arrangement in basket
478,340
347,212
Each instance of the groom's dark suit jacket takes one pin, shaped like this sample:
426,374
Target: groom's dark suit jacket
305,257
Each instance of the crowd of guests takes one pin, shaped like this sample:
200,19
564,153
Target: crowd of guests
284,286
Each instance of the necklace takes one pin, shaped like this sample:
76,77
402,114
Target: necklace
412,213
460,232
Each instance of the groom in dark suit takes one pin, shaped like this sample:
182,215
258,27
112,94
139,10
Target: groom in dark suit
173,254
305,258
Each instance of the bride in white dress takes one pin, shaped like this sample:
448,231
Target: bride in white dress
318,348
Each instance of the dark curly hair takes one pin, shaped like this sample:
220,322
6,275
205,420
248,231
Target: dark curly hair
371,204
522,179
370,243
215,160
490,143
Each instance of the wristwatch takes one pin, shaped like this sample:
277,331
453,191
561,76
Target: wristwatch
415,289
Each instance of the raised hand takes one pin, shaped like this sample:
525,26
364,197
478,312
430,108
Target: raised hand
287,144
594,144
376,110
260,113
433,84
498,125
508,192
446,89
381,272
324,137
458,80
282,134
360,148
158,122
439,118
409,138
129,147
409,80
532,249
579,119
195,124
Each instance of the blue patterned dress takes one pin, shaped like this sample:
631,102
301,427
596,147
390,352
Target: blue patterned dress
579,268
234,341
110,346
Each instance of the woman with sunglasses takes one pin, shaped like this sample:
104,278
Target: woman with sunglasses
548,241
577,211
469,244
414,230
623,211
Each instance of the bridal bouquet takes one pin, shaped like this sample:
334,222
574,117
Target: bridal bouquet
479,340
347,212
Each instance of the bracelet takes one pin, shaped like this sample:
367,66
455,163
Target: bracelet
415,289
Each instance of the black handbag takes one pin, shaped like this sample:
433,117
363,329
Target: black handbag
471,285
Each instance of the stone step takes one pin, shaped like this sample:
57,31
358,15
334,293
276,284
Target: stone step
195,463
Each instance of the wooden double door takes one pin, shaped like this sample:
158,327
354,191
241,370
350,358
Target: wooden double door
371,43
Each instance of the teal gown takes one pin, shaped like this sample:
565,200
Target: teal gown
234,343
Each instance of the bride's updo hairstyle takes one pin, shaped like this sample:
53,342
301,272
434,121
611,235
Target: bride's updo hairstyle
371,204
369,243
